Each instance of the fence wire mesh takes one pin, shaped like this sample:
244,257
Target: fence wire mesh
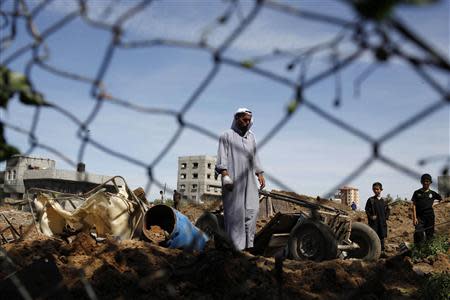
380,39
367,35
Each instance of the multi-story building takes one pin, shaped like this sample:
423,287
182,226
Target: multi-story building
348,195
24,172
196,181
444,185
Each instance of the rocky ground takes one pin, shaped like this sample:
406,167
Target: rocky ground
83,268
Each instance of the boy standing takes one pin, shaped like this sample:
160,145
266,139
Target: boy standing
176,199
377,212
423,213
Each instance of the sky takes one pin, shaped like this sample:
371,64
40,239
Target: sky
308,154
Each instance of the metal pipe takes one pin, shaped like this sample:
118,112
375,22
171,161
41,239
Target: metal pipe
352,246
304,203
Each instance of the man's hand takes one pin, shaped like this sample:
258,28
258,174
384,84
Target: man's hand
227,182
415,221
374,217
262,181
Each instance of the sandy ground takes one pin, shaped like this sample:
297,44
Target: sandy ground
113,269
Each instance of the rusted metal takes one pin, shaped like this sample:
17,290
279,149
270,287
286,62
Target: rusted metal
16,235
114,195
275,234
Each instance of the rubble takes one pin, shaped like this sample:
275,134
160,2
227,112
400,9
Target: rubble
141,270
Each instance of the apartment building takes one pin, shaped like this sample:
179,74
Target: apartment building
348,195
196,180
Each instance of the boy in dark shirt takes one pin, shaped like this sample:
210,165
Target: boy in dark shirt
377,212
423,213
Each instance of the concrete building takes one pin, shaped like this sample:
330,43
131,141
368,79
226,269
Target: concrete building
24,172
444,186
348,195
196,180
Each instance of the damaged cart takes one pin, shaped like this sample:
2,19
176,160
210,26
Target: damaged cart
323,233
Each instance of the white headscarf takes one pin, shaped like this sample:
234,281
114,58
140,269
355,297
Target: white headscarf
240,111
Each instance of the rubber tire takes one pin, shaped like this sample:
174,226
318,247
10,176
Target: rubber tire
208,223
321,236
368,241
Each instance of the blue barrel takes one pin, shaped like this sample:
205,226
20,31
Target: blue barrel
182,233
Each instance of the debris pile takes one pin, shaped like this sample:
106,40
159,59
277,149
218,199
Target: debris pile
141,270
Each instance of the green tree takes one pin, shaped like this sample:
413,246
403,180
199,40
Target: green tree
15,84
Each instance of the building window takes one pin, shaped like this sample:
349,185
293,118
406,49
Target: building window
183,175
195,165
194,186
216,190
183,166
209,165
13,174
208,188
208,176
195,175
194,197
182,187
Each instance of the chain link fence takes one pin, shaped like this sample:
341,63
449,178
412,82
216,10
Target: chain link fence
385,39
375,33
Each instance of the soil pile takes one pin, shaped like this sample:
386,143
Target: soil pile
156,234
194,211
400,225
143,270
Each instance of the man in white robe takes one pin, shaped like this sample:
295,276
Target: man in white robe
239,165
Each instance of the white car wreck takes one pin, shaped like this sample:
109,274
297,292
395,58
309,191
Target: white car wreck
110,209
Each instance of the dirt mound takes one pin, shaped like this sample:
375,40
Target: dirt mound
194,211
400,225
156,234
137,269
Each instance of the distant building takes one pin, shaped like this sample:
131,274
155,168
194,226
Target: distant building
444,185
337,197
196,180
24,172
348,195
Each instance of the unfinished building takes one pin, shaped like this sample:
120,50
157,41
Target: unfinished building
24,172
196,180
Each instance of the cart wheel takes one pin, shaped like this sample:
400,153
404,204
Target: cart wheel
208,223
312,240
367,240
